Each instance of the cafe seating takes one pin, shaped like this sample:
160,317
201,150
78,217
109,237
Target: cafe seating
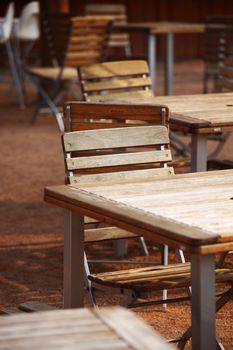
148,153
71,42
119,15
88,116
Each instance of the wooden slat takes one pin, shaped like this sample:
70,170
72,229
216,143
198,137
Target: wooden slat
118,159
114,138
75,112
155,277
121,176
121,96
112,69
117,84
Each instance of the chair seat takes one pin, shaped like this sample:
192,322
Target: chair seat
52,73
154,278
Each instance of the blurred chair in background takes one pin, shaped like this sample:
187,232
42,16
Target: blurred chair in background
6,26
119,14
71,42
217,47
27,31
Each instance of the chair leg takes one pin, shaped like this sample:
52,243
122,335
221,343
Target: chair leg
164,261
144,246
51,105
87,282
128,51
15,74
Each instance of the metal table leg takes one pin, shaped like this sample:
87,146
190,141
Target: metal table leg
152,58
203,302
199,152
73,260
169,64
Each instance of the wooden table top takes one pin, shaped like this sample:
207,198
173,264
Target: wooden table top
190,211
199,113
82,329
163,27
201,110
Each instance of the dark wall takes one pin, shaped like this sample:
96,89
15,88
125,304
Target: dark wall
186,45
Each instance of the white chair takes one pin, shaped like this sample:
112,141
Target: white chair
27,30
6,26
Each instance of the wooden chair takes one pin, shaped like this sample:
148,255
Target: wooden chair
71,42
85,116
217,47
119,14
89,158
115,80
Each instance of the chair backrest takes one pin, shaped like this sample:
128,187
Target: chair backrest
118,11
115,80
7,23
29,28
218,41
93,115
119,15
78,40
117,154
225,78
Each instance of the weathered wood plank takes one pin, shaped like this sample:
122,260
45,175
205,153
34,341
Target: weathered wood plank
118,159
115,138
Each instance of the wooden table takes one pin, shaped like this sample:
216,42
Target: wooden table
192,212
82,329
152,29
201,115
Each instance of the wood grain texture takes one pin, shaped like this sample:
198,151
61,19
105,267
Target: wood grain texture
101,80
194,113
149,279
115,138
190,210
78,328
82,115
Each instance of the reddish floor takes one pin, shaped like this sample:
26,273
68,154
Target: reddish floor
31,232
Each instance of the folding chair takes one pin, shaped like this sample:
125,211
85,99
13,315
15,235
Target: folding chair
119,14
72,42
84,116
148,151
